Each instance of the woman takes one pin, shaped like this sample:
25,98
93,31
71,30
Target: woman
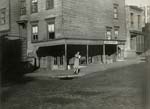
76,62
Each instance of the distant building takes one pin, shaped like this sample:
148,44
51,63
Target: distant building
134,24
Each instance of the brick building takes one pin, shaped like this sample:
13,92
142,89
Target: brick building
134,24
57,29
147,39
11,52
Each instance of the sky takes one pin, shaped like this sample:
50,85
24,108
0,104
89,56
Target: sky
138,2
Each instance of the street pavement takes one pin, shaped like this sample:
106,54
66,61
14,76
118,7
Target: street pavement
121,86
84,70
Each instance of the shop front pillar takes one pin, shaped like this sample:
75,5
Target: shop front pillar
117,52
104,53
66,56
87,54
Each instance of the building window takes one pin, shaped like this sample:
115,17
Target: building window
139,21
49,4
116,32
115,10
34,33
132,19
22,7
51,28
34,6
2,16
109,33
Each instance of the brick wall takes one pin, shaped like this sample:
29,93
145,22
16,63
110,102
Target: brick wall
14,17
89,18
41,17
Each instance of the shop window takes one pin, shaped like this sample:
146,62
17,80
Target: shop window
61,60
132,19
55,60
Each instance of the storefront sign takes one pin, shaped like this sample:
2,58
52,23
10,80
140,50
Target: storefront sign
111,42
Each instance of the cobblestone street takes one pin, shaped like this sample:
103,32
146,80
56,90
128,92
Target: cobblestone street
118,88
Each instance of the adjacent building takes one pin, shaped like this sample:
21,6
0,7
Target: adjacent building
147,39
56,29
11,44
147,13
134,24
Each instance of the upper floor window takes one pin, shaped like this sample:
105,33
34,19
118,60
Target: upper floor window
22,7
49,4
132,19
2,16
139,21
108,33
51,28
34,32
116,32
34,6
115,10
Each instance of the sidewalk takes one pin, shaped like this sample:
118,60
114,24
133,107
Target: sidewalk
84,70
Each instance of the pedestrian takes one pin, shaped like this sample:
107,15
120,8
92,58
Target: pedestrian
76,62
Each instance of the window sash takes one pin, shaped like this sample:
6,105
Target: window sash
49,4
2,16
34,6
23,7
115,11
108,34
35,32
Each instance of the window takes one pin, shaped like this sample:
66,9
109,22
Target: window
116,31
61,60
2,16
34,6
115,11
51,28
35,32
22,7
109,33
131,19
49,4
55,60
139,21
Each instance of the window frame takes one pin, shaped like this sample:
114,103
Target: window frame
49,4
33,5
22,7
115,11
3,16
108,29
51,21
116,35
37,33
